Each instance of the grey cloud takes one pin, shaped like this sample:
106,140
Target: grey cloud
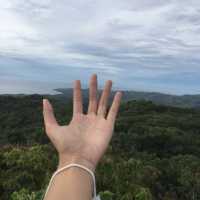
31,8
151,38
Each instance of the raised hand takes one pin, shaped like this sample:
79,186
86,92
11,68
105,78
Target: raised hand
85,139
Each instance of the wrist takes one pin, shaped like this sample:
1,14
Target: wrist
65,160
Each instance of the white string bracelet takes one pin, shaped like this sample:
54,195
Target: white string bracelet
95,197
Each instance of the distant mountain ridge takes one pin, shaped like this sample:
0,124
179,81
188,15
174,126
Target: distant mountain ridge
190,101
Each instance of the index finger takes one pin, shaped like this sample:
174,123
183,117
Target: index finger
114,108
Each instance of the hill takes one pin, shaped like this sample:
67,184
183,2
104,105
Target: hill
154,152
190,101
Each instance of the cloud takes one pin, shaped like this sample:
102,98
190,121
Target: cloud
137,41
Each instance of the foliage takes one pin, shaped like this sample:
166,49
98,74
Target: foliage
154,153
24,194
106,195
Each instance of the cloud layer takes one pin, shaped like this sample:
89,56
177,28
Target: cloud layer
150,45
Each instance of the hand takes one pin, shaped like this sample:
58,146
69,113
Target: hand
85,139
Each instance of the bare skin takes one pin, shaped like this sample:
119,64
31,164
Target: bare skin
84,140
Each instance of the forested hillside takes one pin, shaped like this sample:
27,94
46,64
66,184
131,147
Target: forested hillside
154,153
184,101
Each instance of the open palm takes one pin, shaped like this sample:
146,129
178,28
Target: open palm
86,137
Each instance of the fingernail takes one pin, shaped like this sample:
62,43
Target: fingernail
119,93
45,102
109,82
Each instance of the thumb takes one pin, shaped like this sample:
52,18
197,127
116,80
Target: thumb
48,114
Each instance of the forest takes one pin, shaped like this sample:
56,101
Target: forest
154,153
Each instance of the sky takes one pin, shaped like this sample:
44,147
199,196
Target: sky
146,45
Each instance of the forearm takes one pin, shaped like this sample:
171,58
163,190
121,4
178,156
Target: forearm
73,183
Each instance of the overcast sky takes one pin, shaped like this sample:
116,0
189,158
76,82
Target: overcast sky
148,45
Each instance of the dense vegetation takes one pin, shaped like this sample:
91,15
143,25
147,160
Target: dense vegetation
154,153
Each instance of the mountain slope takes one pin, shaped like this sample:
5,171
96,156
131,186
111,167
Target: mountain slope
192,101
